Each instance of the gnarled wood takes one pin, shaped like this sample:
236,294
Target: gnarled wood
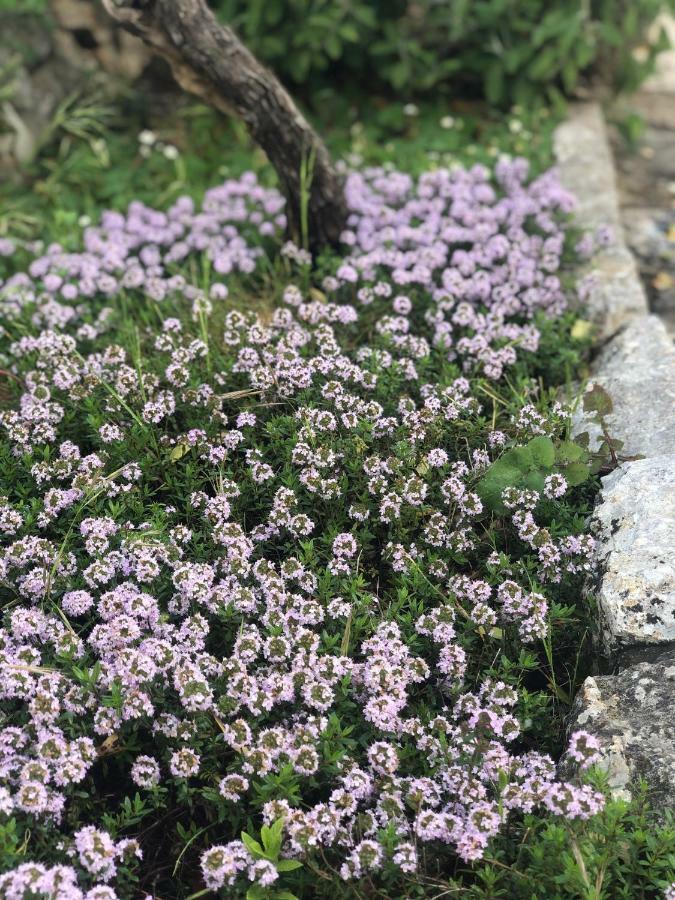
209,60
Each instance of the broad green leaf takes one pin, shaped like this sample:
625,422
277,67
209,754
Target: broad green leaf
348,32
265,833
576,473
543,66
179,452
598,400
534,481
543,451
288,865
333,46
522,458
495,481
252,845
569,452
271,838
255,892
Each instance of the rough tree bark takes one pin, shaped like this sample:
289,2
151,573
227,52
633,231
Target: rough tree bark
208,60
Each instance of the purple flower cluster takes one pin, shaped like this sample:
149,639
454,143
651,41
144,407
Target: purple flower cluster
97,854
140,251
204,615
488,253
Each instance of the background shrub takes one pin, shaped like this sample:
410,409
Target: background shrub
504,50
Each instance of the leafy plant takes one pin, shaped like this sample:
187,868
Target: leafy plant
527,467
140,782
507,52
598,404
269,848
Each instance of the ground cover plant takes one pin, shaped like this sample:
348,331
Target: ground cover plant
293,549
106,151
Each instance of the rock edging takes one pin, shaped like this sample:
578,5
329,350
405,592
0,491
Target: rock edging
632,712
586,167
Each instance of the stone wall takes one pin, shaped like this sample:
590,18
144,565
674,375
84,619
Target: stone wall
632,711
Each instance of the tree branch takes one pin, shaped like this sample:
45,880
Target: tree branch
207,59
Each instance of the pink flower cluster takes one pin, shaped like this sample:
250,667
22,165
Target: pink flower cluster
488,252
98,856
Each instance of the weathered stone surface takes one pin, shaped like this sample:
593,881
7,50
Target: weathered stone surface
634,522
655,105
46,56
631,713
637,369
633,716
646,231
586,169
618,294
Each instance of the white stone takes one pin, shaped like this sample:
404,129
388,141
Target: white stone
637,369
586,169
633,717
634,522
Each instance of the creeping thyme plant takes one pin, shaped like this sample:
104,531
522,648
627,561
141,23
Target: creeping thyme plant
292,589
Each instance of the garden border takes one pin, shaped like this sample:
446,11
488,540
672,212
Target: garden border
632,712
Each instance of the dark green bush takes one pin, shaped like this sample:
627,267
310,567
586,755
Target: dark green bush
504,50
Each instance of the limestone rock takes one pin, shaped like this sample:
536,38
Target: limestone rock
647,232
89,38
637,369
634,522
586,169
633,716
617,294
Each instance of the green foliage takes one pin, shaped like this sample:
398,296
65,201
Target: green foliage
632,127
621,851
23,6
597,400
308,35
76,175
526,468
269,848
11,840
503,50
622,854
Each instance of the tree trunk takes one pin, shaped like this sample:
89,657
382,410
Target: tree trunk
208,60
